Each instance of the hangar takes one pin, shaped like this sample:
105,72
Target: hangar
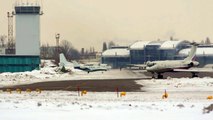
170,48
116,57
142,51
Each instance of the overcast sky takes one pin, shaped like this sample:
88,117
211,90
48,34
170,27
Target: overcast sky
88,23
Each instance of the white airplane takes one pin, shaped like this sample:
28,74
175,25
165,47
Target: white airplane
159,67
85,67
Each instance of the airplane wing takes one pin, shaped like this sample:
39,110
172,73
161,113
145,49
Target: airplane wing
140,66
195,70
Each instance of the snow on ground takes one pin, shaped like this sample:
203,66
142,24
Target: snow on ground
178,84
56,105
187,98
49,74
52,74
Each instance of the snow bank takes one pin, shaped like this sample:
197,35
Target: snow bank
52,74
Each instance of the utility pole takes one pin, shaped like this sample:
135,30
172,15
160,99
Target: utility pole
57,36
10,33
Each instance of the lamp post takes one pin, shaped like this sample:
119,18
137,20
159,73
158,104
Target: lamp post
57,36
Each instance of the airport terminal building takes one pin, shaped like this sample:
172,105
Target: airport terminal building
142,51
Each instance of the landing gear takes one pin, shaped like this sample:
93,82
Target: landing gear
153,75
194,75
160,76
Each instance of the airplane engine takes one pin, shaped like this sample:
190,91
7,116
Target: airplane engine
193,64
196,63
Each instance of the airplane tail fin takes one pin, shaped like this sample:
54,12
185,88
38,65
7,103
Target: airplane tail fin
192,52
63,60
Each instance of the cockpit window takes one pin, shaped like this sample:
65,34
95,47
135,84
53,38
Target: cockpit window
150,64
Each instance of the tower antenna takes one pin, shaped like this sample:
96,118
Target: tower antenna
10,33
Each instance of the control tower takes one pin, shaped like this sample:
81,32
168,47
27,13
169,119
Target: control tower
28,29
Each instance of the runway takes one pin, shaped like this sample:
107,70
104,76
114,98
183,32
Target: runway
102,84
180,74
106,85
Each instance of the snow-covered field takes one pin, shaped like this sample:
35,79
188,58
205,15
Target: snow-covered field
187,98
62,105
178,84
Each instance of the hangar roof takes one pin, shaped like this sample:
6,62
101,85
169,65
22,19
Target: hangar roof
200,51
139,45
171,44
156,43
116,52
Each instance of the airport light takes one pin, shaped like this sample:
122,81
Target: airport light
9,90
28,90
210,97
123,94
18,90
38,90
84,92
165,95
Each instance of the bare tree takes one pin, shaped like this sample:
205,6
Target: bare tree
207,41
111,44
104,46
11,46
45,53
65,46
82,51
73,54
3,40
93,50
68,50
202,42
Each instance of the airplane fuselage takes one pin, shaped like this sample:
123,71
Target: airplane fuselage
91,68
160,67
168,66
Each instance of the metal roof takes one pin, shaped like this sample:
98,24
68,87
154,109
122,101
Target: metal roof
117,52
200,51
139,45
171,44
156,43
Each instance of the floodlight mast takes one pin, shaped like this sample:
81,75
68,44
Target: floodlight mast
10,33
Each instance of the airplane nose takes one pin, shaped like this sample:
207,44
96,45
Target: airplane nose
150,69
